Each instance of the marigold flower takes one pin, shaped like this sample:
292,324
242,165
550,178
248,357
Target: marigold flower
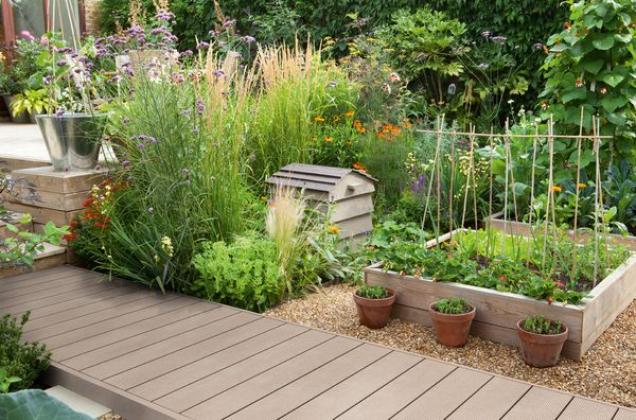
333,229
556,188
349,114
319,119
328,139
581,185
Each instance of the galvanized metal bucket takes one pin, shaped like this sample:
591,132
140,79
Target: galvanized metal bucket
72,139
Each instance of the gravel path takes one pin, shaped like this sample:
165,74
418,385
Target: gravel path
607,372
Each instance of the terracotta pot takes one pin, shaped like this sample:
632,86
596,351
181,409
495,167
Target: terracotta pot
541,350
451,330
374,313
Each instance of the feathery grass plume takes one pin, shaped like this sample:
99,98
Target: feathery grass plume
284,224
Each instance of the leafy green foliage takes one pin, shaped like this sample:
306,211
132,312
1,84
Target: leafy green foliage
538,324
498,261
244,273
452,306
372,292
591,66
35,404
21,246
7,381
18,359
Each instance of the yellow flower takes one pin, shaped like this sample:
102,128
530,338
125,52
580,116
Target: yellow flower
349,113
581,185
328,139
333,229
556,188
319,119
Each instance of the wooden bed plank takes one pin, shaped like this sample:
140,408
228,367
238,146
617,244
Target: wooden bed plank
539,403
625,414
293,395
210,386
41,278
390,399
188,374
493,400
109,345
259,386
442,399
349,392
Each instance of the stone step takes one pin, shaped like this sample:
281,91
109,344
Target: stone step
79,403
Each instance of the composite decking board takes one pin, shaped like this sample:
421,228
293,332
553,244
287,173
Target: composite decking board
258,368
392,397
59,294
213,385
444,397
121,305
188,374
303,389
582,408
539,403
112,298
354,389
242,395
493,400
145,311
86,296
12,284
238,328
625,414
95,350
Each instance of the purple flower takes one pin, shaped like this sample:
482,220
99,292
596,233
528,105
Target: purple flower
47,80
177,78
486,34
61,63
27,35
186,53
218,73
248,39
200,106
164,15
212,33
202,44
499,39
229,23
59,113
418,186
125,164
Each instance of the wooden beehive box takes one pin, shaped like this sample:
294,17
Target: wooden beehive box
346,193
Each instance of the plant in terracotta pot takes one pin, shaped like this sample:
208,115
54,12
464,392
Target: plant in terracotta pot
374,305
452,318
541,340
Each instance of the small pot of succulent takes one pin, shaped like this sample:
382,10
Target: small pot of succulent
374,304
452,318
76,86
541,340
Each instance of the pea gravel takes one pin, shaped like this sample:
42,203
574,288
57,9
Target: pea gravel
607,371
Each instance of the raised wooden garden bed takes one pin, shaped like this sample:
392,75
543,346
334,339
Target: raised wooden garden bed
496,221
498,312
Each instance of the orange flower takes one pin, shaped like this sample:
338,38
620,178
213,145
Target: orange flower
333,229
349,114
357,124
358,166
319,119
328,139
556,188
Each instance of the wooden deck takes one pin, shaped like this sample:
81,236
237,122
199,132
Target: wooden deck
153,356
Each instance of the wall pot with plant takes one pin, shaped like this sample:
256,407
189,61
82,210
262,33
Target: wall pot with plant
374,304
451,319
541,340
73,140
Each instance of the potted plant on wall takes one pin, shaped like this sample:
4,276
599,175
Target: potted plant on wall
374,304
541,340
452,318
73,132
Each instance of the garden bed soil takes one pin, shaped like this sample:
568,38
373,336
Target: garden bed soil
496,221
606,372
498,312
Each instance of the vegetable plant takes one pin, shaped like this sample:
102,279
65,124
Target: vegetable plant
452,306
372,292
538,324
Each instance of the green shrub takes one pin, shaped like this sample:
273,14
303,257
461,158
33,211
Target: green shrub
18,359
591,66
372,292
244,273
452,306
